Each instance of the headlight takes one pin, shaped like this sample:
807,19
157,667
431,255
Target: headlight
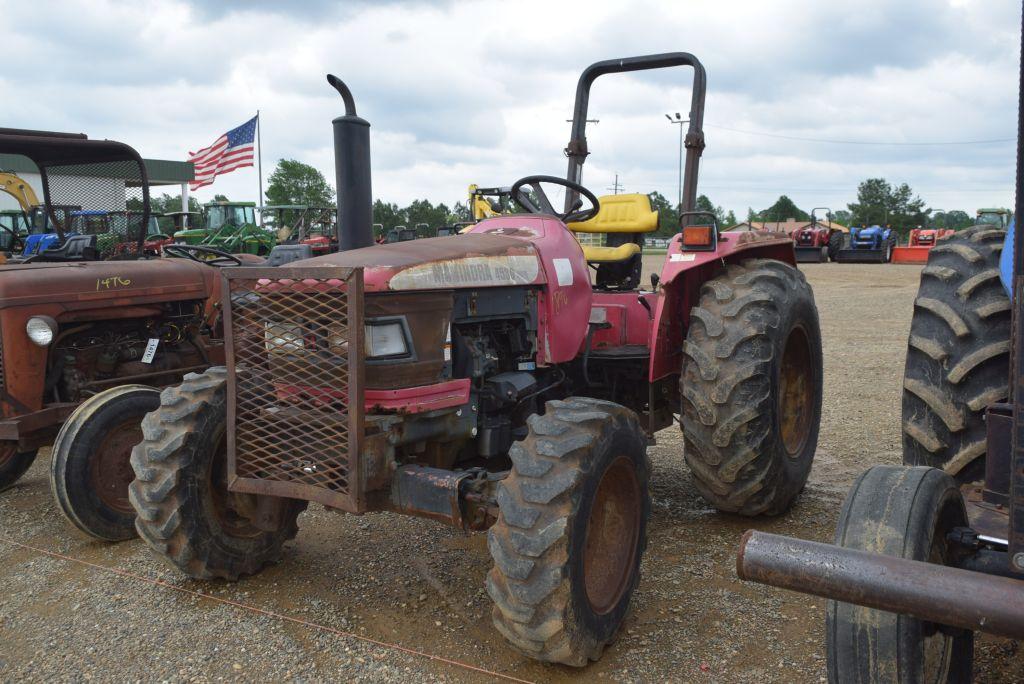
385,339
283,339
41,330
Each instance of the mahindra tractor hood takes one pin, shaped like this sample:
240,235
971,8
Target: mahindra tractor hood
96,283
471,260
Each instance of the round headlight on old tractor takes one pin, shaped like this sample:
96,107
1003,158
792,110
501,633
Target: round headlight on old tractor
41,330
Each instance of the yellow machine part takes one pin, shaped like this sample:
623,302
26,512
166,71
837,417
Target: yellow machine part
604,255
19,190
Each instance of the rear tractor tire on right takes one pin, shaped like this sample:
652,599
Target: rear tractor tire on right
751,387
958,354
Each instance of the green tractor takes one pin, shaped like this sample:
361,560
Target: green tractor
230,227
993,217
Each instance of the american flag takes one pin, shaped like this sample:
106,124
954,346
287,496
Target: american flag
231,151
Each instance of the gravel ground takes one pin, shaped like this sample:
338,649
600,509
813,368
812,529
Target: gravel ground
420,585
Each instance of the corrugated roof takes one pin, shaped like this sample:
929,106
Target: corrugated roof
160,171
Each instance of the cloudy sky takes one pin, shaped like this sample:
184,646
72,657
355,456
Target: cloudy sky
479,91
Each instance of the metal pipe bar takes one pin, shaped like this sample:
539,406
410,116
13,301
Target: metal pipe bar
934,593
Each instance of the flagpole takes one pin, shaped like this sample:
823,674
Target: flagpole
259,165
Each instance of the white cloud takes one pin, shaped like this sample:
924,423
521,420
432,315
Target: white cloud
462,92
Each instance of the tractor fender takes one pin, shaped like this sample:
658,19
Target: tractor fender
683,274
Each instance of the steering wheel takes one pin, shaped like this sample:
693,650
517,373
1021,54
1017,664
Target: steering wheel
195,252
542,205
17,242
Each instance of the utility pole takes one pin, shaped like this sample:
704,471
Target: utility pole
680,121
617,186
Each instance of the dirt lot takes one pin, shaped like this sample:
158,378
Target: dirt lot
416,584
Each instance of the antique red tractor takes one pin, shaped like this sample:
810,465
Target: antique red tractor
483,381
817,242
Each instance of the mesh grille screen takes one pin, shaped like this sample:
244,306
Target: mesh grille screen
102,199
296,404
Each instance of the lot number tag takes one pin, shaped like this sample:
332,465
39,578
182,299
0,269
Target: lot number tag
147,356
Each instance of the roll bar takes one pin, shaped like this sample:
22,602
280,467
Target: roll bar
577,151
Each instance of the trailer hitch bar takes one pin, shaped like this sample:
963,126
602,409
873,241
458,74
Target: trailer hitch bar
933,593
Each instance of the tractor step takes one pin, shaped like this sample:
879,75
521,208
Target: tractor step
861,256
910,255
811,255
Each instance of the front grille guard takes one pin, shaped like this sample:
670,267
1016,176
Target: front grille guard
295,402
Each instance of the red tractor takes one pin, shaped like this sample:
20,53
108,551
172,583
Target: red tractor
481,380
817,242
918,245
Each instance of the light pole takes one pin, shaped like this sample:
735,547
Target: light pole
680,121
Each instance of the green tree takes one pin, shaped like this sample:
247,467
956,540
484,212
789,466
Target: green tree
882,203
783,210
388,215
725,219
668,217
842,217
956,219
293,182
220,198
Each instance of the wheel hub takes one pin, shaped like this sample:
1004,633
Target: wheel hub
796,392
111,471
613,536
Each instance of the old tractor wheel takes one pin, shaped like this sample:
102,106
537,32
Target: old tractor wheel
836,241
751,387
571,531
906,513
91,466
180,495
958,354
13,463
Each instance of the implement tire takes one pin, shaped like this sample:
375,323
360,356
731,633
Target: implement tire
906,513
958,354
184,509
13,463
751,387
571,531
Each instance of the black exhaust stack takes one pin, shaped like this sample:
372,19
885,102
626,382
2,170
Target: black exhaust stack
352,173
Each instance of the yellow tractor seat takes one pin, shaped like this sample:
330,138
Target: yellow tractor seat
606,255
627,213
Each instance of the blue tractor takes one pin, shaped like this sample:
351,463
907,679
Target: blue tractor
872,245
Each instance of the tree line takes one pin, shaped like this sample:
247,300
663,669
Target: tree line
878,202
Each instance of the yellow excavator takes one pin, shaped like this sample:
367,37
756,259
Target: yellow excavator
26,197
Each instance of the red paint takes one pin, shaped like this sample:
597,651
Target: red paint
419,399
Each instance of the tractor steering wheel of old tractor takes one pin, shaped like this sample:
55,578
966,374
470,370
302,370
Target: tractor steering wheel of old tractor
536,201
196,252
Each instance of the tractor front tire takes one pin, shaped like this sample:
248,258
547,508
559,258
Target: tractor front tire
184,509
958,354
751,387
906,513
571,531
836,241
13,463
90,470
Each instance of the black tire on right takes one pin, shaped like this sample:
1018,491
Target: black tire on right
184,509
906,513
836,241
751,387
13,463
958,354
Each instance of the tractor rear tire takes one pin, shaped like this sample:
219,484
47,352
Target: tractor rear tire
836,241
184,509
571,531
906,513
958,354
90,470
751,387
13,463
